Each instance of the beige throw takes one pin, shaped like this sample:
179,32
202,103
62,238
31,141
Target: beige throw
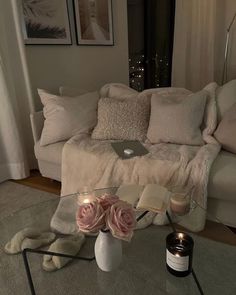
88,162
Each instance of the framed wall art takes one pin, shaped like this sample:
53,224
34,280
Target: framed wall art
94,22
46,22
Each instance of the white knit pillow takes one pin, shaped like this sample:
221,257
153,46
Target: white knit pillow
67,116
122,119
117,90
177,119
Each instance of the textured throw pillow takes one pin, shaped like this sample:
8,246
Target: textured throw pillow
67,116
226,130
177,119
121,119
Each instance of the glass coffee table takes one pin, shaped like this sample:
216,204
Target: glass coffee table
142,271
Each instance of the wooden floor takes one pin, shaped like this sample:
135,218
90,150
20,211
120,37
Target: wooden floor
37,181
213,230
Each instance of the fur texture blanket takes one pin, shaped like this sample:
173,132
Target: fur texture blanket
93,163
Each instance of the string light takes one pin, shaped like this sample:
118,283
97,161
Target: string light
137,71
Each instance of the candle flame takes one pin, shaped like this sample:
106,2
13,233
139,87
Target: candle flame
86,201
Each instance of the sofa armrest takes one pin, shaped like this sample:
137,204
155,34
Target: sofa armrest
37,121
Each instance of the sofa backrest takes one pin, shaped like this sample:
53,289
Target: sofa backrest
37,121
225,98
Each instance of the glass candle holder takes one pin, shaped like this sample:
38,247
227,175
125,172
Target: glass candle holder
86,196
179,254
180,203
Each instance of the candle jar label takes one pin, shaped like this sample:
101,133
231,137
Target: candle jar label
178,263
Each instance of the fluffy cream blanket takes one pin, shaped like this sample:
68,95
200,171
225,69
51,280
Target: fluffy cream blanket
93,163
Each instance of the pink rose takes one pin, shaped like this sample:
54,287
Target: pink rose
121,220
90,217
107,200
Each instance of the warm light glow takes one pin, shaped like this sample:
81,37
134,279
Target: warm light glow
177,255
86,201
86,198
181,236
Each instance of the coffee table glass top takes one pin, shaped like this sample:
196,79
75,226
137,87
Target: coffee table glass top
142,271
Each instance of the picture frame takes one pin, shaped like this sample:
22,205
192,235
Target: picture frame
93,21
46,22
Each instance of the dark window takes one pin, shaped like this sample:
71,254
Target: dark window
150,29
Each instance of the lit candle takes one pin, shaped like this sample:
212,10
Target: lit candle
86,198
179,252
179,204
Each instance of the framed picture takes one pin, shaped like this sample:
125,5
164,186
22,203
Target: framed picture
46,22
94,22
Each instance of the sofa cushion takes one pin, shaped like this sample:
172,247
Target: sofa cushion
225,98
122,119
117,90
226,130
67,116
222,179
177,119
51,153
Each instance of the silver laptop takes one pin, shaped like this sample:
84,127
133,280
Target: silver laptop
129,148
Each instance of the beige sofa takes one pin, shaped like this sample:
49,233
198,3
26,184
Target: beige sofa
222,179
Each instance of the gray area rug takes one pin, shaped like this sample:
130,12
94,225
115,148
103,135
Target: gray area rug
142,271
14,197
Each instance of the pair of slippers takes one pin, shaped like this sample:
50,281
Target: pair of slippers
33,239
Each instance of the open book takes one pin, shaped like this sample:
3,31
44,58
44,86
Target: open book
154,198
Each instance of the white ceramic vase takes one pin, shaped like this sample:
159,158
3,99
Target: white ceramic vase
108,251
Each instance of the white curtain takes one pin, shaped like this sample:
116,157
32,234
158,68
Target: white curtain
16,147
197,57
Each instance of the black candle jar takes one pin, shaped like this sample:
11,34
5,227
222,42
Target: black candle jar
179,254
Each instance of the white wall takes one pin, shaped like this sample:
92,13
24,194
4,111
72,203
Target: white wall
87,67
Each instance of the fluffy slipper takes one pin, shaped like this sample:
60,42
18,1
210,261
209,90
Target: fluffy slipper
28,238
68,245
144,221
162,219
